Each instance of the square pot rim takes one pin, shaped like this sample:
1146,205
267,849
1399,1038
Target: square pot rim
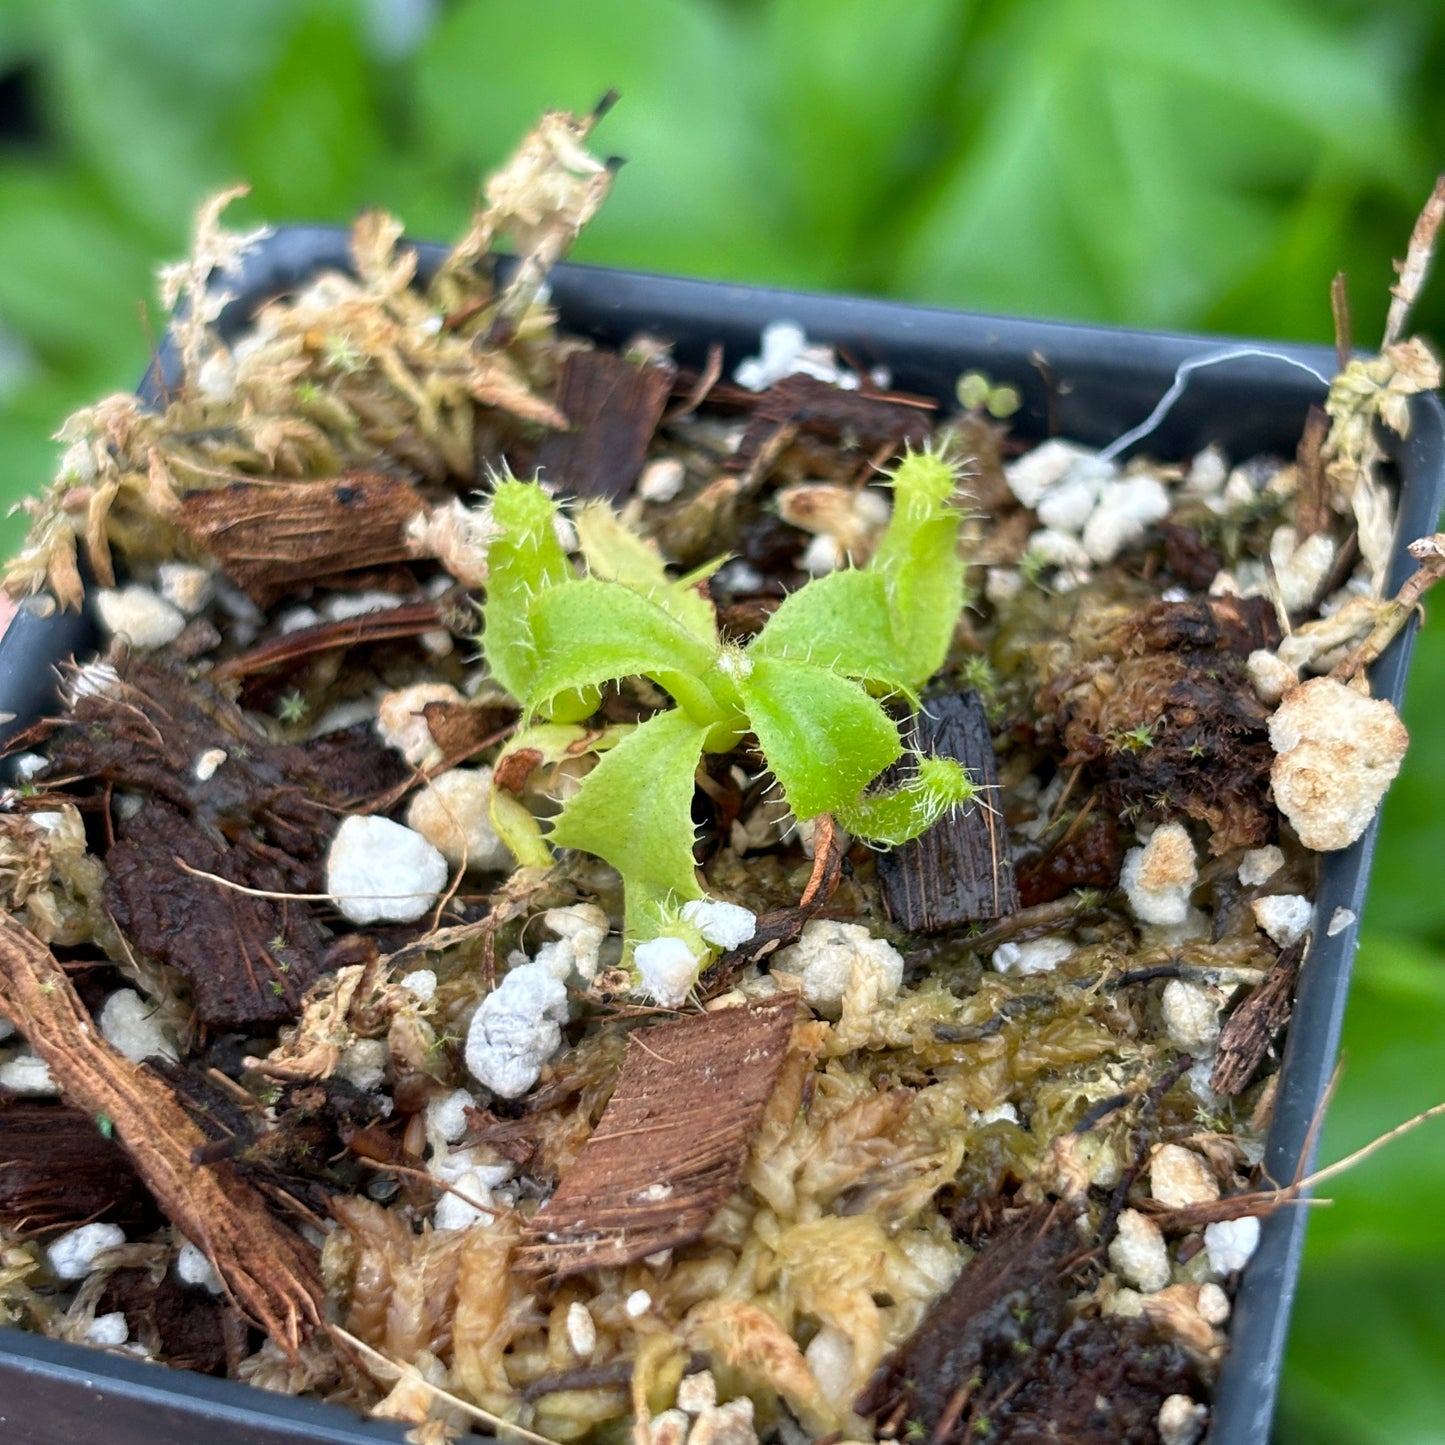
1089,383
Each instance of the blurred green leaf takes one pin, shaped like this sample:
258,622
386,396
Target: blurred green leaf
309,139
1117,158
1368,1331
854,79
141,86
1365,1355
698,193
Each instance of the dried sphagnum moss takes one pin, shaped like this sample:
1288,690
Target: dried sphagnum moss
903,1134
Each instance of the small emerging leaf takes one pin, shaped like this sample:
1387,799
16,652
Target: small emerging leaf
895,817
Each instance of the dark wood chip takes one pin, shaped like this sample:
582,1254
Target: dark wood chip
667,1150
959,871
1253,1026
57,1169
965,1349
190,1329
410,619
864,419
613,407
272,540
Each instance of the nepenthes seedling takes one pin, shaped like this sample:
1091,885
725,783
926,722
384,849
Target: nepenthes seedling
809,688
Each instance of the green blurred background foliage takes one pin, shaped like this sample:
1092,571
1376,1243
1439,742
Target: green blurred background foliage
1184,165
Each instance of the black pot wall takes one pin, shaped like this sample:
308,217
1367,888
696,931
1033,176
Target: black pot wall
1088,383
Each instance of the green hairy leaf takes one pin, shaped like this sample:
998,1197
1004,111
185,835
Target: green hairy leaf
803,688
634,811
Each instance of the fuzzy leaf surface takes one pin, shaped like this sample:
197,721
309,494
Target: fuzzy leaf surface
590,632
824,738
634,811
524,560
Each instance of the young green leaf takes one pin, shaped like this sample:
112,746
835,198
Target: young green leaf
524,560
634,811
824,738
615,553
918,562
590,632
894,817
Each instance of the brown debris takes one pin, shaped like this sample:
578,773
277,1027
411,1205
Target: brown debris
187,1328
269,1271
261,821
978,1340
59,1170
802,403
1252,1027
273,540
409,619
613,406
958,871
667,1150
1169,719
249,959
1089,855
1312,510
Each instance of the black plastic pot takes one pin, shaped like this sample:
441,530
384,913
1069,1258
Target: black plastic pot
1086,383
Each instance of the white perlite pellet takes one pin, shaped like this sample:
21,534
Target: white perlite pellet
453,813
1231,1243
421,983
517,1029
826,957
1191,1014
132,1025
661,480
830,1360
1259,865
1284,916
73,1255
1178,1177
1159,877
1125,511
446,1115
638,1304
192,1267
724,925
1213,1304
1337,752
1340,920
185,586
363,1064
1181,1420
378,871
666,969
1033,955
582,1330
697,1392
29,1076
136,612
109,1330
1138,1252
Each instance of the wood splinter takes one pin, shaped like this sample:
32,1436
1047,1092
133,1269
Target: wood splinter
269,1271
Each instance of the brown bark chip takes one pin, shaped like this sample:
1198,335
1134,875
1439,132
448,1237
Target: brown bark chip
613,406
667,1151
269,1271
1253,1026
271,540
